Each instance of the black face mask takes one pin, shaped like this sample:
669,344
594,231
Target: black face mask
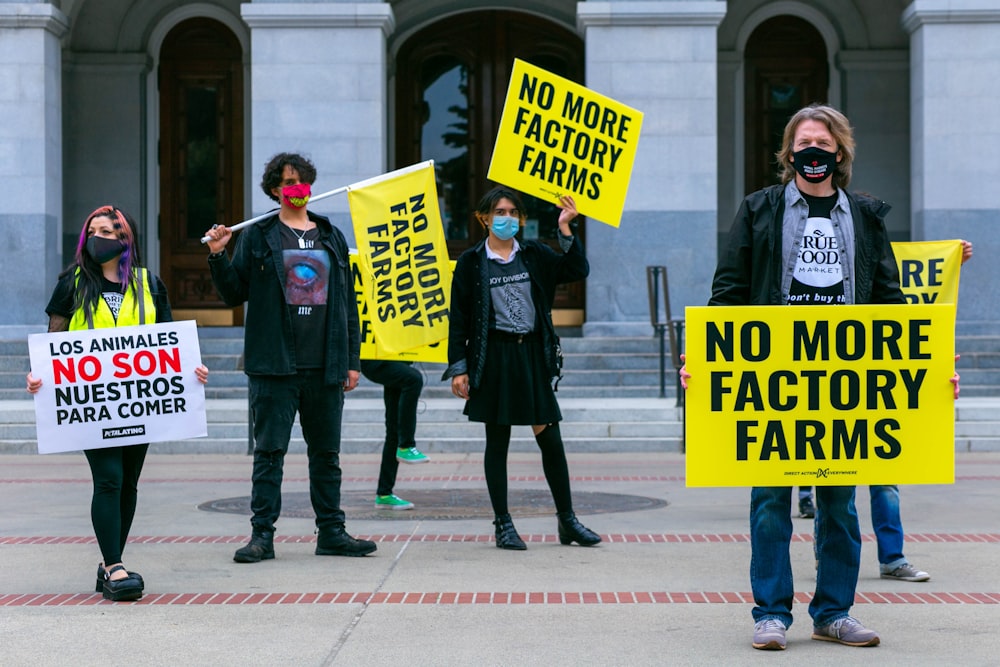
814,164
102,249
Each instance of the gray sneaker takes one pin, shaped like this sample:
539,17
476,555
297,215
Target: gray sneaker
769,635
847,631
906,572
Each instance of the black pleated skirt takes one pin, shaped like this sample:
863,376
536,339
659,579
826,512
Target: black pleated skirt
515,388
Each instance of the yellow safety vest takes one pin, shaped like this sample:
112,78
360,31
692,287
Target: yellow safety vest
132,312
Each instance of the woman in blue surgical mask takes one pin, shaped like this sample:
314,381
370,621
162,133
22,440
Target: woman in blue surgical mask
504,354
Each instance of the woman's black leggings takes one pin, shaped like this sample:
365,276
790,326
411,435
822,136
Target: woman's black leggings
553,464
116,479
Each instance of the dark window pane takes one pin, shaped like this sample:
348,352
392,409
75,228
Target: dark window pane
445,139
202,164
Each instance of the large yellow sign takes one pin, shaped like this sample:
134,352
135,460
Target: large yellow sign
435,352
815,395
400,238
929,270
559,138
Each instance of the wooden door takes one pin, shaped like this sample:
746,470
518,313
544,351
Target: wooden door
786,69
451,82
200,158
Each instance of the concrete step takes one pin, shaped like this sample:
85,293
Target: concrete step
589,425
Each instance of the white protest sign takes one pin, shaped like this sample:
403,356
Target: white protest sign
117,387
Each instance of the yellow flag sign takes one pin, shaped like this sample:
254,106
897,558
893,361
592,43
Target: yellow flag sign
435,352
815,395
400,238
929,270
557,138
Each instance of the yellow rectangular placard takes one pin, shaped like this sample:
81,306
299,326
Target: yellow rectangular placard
557,138
434,352
929,270
820,395
398,230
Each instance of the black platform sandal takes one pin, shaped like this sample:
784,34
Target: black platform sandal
120,590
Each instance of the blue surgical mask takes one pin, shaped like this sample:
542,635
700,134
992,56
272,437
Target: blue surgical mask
504,227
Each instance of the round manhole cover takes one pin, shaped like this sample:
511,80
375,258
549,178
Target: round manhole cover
443,504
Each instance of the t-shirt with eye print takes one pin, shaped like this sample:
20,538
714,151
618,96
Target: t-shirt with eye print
817,278
307,279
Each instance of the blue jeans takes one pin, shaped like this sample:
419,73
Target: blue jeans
888,526
838,550
274,400
401,386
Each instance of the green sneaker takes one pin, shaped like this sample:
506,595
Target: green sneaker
392,502
411,455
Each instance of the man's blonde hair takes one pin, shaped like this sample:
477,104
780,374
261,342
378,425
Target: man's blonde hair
839,127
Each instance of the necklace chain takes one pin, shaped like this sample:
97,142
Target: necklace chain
301,237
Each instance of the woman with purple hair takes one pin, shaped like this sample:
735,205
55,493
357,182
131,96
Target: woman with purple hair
106,287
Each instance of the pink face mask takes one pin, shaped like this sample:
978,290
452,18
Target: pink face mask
297,195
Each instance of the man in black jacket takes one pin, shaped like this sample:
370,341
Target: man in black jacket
808,241
301,350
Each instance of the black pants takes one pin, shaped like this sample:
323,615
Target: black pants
274,401
115,471
401,386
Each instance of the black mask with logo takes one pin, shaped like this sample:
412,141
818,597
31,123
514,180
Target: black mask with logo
814,164
102,249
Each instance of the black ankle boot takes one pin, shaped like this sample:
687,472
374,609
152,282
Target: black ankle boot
335,541
571,530
260,547
506,534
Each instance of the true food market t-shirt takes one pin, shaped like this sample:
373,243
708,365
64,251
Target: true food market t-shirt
817,278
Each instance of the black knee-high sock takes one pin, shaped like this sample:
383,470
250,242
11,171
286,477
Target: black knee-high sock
495,466
555,466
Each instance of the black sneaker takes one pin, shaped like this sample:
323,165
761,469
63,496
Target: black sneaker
806,508
336,542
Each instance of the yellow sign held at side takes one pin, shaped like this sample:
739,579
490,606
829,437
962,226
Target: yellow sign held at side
370,349
557,138
929,270
816,396
400,238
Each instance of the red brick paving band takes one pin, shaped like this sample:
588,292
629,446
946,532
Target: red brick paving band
462,598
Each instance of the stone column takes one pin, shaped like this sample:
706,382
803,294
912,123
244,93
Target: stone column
30,161
954,67
659,56
318,86
104,151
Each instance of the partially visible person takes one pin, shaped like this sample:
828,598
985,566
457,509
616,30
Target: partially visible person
887,521
401,386
503,351
301,350
105,287
807,510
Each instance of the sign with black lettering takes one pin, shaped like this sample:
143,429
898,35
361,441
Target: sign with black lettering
815,396
402,248
370,349
116,387
929,271
557,138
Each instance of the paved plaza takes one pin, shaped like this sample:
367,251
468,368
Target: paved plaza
669,585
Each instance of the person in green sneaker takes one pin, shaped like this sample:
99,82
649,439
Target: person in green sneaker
401,387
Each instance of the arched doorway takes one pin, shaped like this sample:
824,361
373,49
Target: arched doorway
200,159
786,69
451,81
